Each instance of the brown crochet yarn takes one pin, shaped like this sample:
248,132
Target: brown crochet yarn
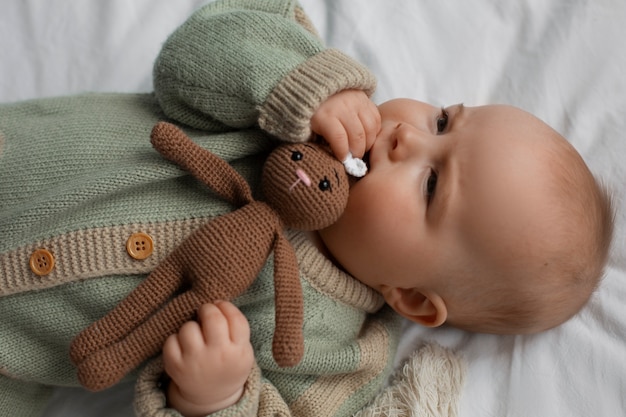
221,259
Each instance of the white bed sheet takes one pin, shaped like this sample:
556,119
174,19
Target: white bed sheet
563,60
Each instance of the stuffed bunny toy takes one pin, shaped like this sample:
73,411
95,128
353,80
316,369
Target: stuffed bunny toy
304,187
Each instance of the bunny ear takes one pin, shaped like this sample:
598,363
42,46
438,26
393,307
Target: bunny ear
207,167
168,140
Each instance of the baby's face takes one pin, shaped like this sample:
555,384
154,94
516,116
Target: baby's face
447,191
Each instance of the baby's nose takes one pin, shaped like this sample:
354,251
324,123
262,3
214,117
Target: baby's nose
406,136
405,131
408,142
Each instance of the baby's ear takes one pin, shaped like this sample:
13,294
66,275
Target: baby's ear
423,307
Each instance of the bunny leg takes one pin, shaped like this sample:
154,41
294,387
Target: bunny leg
139,304
288,341
108,366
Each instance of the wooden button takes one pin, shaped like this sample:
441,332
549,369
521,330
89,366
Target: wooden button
139,246
41,262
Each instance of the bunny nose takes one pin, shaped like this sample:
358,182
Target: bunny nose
303,177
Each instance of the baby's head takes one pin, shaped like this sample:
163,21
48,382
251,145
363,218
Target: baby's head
481,217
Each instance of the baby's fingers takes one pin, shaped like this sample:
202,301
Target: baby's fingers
214,325
357,136
336,135
370,120
179,347
349,121
238,325
172,352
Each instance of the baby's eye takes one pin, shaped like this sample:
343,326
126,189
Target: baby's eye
442,121
296,156
325,184
431,186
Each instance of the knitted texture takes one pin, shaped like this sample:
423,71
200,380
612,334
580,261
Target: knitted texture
192,92
78,176
350,357
305,207
222,259
287,111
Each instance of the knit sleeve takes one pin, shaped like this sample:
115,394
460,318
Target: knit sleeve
336,380
245,64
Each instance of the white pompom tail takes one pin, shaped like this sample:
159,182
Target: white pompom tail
354,166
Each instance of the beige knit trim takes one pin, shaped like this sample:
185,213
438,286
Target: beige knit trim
98,252
326,278
288,109
328,393
271,403
91,253
148,397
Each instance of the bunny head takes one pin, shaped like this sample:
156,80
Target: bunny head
305,185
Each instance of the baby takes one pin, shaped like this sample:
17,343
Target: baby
480,217
499,214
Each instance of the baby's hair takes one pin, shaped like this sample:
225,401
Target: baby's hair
586,205
578,248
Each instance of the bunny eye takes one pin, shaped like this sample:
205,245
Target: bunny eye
296,156
325,184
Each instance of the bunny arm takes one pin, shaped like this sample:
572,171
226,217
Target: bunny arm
222,260
207,167
288,341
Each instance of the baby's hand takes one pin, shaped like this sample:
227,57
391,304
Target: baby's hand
209,361
349,121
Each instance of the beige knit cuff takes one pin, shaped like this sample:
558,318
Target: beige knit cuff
288,109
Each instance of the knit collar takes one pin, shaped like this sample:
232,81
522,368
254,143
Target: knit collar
326,278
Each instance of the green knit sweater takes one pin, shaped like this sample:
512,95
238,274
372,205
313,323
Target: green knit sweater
79,179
